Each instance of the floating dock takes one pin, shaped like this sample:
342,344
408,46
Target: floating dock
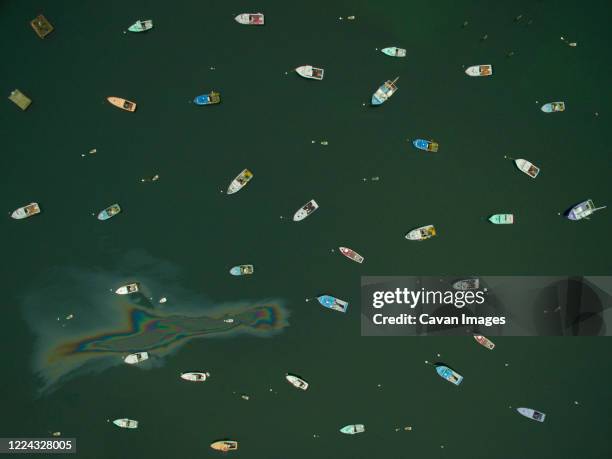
20,99
41,26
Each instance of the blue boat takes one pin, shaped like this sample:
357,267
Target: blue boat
426,145
109,212
448,374
333,303
242,270
208,99
384,92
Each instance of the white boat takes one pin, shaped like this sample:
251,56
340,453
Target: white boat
296,382
526,167
195,376
467,284
394,51
136,358
241,180
127,289
308,71
126,423
532,414
422,233
26,211
479,70
353,429
305,210
250,18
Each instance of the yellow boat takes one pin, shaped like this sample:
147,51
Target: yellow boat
225,445
20,99
123,104
41,26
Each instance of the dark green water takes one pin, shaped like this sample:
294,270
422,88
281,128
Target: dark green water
266,122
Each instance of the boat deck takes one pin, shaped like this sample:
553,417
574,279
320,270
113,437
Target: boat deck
20,99
41,26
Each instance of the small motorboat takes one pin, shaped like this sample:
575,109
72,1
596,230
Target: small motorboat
384,92
195,376
484,341
502,219
136,358
123,104
296,381
532,414
552,107
305,210
242,270
250,18
422,233
141,26
225,445
467,284
426,145
583,210
333,303
127,289
241,180
26,211
394,52
351,254
479,70
353,429
526,167
308,71
208,99
109,212
126,423
450,375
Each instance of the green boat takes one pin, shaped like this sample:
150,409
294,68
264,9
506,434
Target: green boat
502,219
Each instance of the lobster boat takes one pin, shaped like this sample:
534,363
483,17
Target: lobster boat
484,341
296,381
123,104
126,423
308,71
502,219
127,289
225,445
422,233
208,99
353,429
242,270
109,212
583,210
450,375
394,52
195,376
467,284
351,254
26,211
333,303
241,180
532,414
426,145
479,70
383,93
250,19
141,26
553,107
136,358
305,210
526,167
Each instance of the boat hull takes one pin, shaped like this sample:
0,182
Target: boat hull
426,145
308,71
242,270
484,341
297,382
467,284
479,70
305,210
333,303
422,233
394,52
141,26
127,289
583,210
195,376
240,181
527,168
26,211
136,358
226,445
384,92
553,107
250,19
123,104
126,423
208,99
353,429
532,414
109,212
